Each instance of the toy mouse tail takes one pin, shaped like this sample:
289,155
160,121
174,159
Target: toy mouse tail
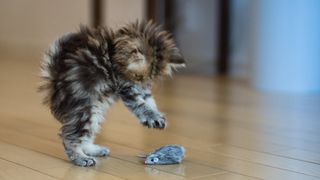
142,155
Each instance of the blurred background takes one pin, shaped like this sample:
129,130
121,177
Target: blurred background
246,107
273,45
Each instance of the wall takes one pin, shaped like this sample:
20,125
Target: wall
287,46
196,34
119,12
242,21
36,23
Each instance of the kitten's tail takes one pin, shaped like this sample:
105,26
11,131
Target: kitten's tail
47,71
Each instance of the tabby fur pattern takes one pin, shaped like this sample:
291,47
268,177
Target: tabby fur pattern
85,72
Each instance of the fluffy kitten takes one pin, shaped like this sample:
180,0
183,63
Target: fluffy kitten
87,71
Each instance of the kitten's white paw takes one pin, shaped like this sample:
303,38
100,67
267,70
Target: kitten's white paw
103,152
96,150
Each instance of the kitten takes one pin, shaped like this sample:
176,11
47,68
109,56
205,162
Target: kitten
85,72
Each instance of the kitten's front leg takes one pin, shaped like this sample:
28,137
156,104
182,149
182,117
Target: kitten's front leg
142,104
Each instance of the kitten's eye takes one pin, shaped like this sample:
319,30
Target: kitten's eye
134,51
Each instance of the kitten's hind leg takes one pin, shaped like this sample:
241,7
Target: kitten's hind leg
78,133
81,149
97,116
80,126
79,146
75,135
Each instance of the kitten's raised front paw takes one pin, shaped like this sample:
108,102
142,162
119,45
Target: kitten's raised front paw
158,122
84,161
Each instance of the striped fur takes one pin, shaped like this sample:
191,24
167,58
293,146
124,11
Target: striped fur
85,72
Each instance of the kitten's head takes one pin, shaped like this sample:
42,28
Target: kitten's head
144,52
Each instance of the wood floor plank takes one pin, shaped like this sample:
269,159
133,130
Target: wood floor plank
226,176
254,116
29,158
245,167
301,155
47,165
268,159
78,173
12,171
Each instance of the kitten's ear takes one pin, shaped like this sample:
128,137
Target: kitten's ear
176,59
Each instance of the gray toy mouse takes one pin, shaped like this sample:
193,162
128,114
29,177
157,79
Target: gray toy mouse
169,154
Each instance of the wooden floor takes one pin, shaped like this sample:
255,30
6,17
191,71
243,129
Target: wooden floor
229,130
